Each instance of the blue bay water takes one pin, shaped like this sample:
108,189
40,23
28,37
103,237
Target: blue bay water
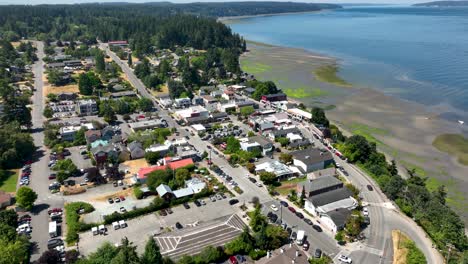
415,53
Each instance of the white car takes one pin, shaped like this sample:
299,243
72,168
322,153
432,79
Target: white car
365,211
258,184
344,259
274,207
56,214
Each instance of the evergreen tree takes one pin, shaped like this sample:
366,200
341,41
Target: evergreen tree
100,63
152,254
129,60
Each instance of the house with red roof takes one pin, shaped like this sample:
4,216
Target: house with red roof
169,163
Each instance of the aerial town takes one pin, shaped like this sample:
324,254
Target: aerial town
182,161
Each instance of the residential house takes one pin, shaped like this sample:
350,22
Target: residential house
92,135
217,93
274,97
182,102
102,153
330,201
55,66
136,150
312,159
229,107
282,171
208,99
228,95
248,91
266,145
109,132
197,100
86,107
319,185
336,220
206,90
187,152
329,172
278,133
165,192
289,253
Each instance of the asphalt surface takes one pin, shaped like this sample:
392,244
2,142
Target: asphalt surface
377,248
39,169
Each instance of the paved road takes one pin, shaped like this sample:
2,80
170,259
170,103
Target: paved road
39,168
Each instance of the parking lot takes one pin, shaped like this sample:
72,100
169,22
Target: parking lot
140,229
193,240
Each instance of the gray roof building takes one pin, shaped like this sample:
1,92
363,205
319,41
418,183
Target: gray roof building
320,185
339,217
330,197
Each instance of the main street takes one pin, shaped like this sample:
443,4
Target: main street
385,217
39,168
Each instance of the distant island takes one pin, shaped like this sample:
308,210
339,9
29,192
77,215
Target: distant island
443,3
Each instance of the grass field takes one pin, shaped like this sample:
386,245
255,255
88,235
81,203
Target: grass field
328,74
8,180
287,186
453,144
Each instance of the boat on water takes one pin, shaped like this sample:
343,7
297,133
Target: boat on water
461,122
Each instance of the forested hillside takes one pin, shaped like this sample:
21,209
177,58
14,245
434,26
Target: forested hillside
110,22
444,3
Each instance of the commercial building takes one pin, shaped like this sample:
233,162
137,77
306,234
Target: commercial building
147,124
86,107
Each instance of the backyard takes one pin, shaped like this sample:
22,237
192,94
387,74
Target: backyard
8,180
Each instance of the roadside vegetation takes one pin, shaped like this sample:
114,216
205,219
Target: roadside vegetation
72,218
405,250
329,74
453,144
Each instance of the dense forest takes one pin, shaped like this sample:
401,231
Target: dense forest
444,3
114,22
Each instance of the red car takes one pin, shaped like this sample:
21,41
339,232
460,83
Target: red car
292,209
122,198
52,176
54,210
233,260
26,173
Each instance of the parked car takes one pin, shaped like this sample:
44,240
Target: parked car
213,198
300,215
308,221
369,187
123,210
317,228
202,202
233,201
53,243
122,198
258,184
110,200
283,203
233,260
162,212
365,211
52,176
318,253
117,199
186,206
197,203
305,246
178,225
252,180
290,208
293,236
345,259
274,207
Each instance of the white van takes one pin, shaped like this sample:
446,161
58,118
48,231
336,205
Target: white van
122,224
115,225
300,237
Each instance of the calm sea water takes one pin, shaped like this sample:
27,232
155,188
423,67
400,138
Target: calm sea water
418,54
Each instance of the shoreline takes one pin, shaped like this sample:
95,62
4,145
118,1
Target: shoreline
231,18
404,130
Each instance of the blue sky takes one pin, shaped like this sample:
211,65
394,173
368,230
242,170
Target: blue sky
35,2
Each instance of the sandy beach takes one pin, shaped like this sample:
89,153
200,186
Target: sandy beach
403,130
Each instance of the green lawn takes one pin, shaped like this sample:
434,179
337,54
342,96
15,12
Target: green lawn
453,144
8,180
329,74
287,186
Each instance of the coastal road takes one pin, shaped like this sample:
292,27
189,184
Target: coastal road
39,169
384,217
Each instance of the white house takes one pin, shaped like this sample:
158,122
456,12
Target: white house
312,159
330,201
335,220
